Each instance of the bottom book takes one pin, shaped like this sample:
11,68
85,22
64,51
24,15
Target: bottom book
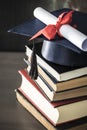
73,125
56,112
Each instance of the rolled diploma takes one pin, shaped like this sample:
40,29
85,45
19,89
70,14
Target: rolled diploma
67,31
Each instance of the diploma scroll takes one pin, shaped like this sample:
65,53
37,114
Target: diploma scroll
73,35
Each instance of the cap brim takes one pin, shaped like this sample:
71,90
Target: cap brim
30,27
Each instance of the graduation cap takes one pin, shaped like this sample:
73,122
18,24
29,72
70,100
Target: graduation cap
58,50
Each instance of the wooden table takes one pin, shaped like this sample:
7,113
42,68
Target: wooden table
12,115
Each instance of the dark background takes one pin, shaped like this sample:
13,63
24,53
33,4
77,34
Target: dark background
14,12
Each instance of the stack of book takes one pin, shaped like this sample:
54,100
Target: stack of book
59,95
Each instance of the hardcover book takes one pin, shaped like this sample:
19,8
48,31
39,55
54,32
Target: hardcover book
55,112
59,95
80,124
55,85
58,72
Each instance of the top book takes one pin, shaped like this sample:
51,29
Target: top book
58,72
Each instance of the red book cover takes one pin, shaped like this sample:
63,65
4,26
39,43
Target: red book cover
56,103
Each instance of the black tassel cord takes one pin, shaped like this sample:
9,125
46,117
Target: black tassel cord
33,69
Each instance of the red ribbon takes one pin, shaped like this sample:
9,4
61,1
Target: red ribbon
50,31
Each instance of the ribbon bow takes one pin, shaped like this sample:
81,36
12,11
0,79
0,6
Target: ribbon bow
50,30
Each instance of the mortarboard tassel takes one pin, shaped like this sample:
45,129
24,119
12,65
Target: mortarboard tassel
33,69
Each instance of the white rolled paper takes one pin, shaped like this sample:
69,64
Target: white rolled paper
73,35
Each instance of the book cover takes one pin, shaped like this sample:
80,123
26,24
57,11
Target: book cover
62,85
55,85
55,112
62,95
59,95
74,125
58,72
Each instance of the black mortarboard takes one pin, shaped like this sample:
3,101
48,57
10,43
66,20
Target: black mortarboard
59,50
